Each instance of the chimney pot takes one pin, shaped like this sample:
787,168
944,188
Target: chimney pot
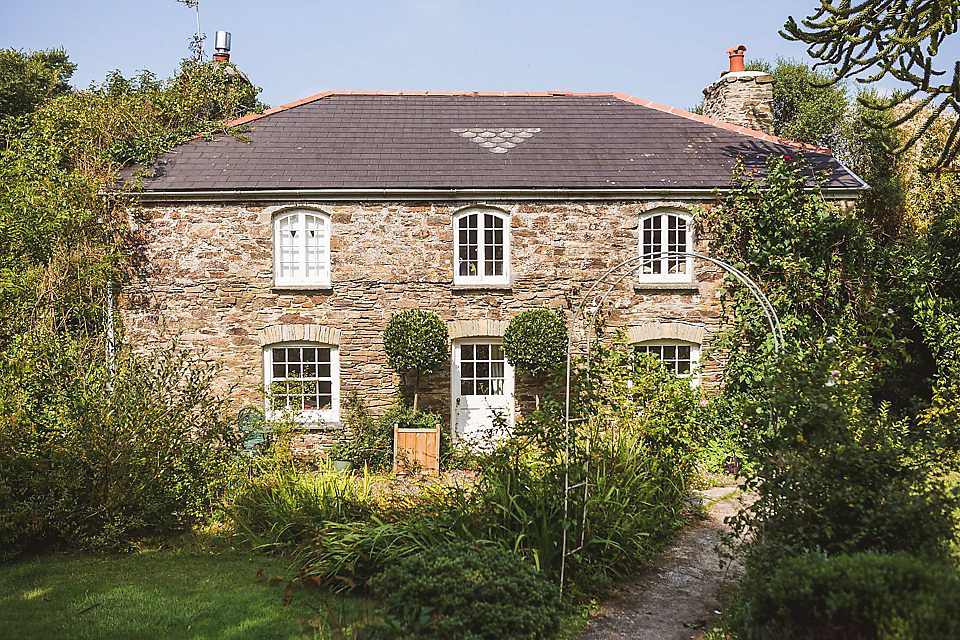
736,57
223,47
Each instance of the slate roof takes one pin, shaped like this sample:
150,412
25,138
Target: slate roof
386,141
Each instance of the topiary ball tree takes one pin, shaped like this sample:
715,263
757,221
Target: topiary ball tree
536,342
416,343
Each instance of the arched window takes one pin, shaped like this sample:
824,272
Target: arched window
301,240
302,380
678,356
481,247
662,233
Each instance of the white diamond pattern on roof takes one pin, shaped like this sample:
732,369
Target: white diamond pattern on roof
497,140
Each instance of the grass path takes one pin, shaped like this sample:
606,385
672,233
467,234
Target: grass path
678,596
149,595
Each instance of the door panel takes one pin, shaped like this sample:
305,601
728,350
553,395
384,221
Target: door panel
482,388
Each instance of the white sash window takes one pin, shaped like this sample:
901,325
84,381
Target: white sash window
481,247
679,357
301,248
662,235
302,380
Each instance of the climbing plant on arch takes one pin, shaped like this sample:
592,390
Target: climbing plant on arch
587,310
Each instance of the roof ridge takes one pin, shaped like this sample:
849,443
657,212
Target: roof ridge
612,94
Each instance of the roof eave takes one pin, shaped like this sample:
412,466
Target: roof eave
299,195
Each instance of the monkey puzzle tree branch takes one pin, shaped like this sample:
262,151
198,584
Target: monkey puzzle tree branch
874,39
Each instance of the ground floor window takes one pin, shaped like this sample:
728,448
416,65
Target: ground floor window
682,358
302,380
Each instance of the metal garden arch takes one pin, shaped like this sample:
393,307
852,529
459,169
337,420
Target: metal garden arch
593,299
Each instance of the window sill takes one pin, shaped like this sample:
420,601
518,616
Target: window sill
466,288
666,287
320,425
305,422
302,288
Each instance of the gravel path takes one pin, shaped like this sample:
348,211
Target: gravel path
677,598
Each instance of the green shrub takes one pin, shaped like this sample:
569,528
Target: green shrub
643,423
100,460
536,341
371,444
849,596
457,592
282,505
833,475
416,342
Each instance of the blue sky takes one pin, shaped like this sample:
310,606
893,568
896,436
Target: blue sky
663,51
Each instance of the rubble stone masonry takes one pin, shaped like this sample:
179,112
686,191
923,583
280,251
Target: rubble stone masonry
743,98
207,278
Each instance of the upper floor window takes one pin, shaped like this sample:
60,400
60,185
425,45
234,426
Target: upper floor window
481,247
663,234
303,379
679,357
301,240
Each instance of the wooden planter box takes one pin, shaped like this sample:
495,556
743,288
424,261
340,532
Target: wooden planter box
416,450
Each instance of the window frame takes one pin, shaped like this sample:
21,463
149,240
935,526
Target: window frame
481,280
324,279
307,416
664,276
695,350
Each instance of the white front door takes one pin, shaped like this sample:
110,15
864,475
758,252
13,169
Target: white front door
482,395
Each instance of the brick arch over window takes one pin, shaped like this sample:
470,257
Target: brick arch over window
666,331
476,329
299,333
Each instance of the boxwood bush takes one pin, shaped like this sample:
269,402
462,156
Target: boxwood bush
457,591
536,341
864,595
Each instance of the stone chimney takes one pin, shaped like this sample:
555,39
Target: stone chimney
743,98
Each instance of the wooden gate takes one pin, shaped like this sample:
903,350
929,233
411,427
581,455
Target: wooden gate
416,450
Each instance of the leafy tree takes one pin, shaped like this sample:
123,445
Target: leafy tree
125,451
29,78
536,342
415,342
804,109
874,39
809,108
62,241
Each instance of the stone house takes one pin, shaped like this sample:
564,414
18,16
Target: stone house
283,252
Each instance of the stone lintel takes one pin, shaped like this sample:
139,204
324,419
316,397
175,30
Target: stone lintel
299,333
476,329
666,331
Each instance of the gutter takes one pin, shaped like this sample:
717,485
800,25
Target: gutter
450,195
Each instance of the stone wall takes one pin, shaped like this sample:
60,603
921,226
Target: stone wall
206,277
743,98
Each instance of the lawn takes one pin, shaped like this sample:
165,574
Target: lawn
161,594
